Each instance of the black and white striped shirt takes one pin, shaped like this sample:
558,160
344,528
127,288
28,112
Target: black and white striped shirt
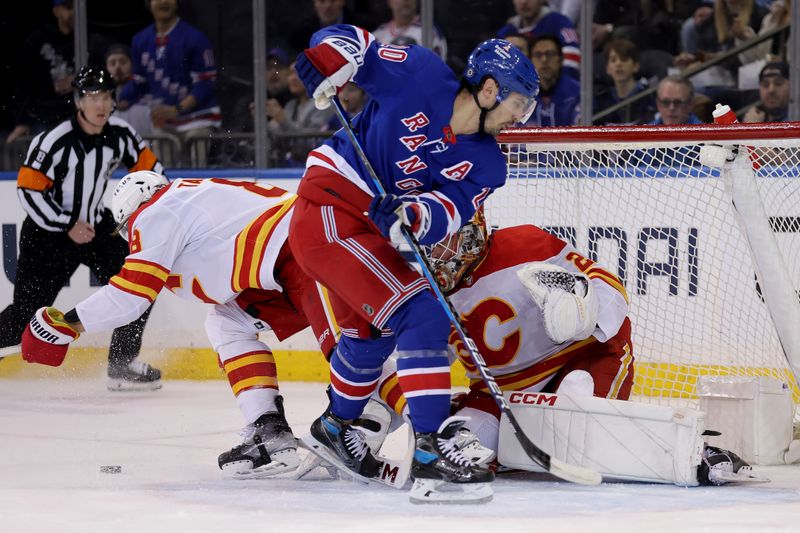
66,171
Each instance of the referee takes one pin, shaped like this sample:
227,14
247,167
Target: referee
61,187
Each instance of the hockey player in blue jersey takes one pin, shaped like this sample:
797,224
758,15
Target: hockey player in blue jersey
431,142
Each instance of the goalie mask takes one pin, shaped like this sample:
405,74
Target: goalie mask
454,256
133,190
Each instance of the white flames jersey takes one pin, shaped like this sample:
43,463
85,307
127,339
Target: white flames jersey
203,239
504,321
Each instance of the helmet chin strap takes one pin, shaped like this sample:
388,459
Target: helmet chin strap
484,111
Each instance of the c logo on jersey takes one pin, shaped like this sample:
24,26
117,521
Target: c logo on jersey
458,171
415,122
174,282
484,323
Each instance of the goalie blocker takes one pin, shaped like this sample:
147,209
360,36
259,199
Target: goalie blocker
623,440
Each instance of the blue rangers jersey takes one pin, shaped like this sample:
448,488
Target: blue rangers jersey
551,23
405,133
170,66
560,106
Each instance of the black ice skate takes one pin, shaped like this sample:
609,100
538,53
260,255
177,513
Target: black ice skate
269,448
344,446
134,376
442,474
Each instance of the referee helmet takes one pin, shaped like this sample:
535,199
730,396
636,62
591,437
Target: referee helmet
93,79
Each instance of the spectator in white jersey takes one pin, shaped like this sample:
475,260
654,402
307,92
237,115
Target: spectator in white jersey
61,187
406,28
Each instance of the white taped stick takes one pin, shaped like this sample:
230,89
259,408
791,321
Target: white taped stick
8,351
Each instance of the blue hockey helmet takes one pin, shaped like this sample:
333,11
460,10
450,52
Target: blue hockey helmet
509,67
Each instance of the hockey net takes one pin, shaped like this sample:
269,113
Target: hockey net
637,200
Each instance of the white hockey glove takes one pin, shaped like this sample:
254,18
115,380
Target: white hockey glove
327,67
567,300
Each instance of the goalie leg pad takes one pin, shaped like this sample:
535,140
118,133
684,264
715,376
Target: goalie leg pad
621,439
753,414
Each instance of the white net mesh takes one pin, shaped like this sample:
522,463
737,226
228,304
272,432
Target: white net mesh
652,214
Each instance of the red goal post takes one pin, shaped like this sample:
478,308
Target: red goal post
734,133
710,294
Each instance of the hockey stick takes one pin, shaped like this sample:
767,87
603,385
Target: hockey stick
568,472
9,351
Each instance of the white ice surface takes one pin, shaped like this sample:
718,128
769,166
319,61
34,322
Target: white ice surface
55,435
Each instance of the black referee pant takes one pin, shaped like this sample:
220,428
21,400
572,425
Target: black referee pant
47,261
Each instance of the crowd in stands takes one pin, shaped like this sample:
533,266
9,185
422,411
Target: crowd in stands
170,84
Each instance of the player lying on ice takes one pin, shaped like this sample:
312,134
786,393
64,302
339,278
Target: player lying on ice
431,141
548,320
224,243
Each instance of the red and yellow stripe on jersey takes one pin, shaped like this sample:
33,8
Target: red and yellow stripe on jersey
251,244
252,370
594,271
141,278
529,376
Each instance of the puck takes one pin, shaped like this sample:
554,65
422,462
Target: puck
111,469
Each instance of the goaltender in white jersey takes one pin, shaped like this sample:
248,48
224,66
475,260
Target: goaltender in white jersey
223,243
548,320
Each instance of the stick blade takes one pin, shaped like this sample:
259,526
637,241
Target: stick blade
10,350
575,474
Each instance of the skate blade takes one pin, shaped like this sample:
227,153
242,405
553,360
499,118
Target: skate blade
317,448
282,463
437,491
745,475
312,462
121,385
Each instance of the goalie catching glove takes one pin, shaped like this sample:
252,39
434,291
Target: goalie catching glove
327,67
566,299
388,212
47,337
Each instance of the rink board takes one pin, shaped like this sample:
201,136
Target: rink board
175,340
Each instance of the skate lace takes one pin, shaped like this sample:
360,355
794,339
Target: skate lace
356,444
464,438
451,451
